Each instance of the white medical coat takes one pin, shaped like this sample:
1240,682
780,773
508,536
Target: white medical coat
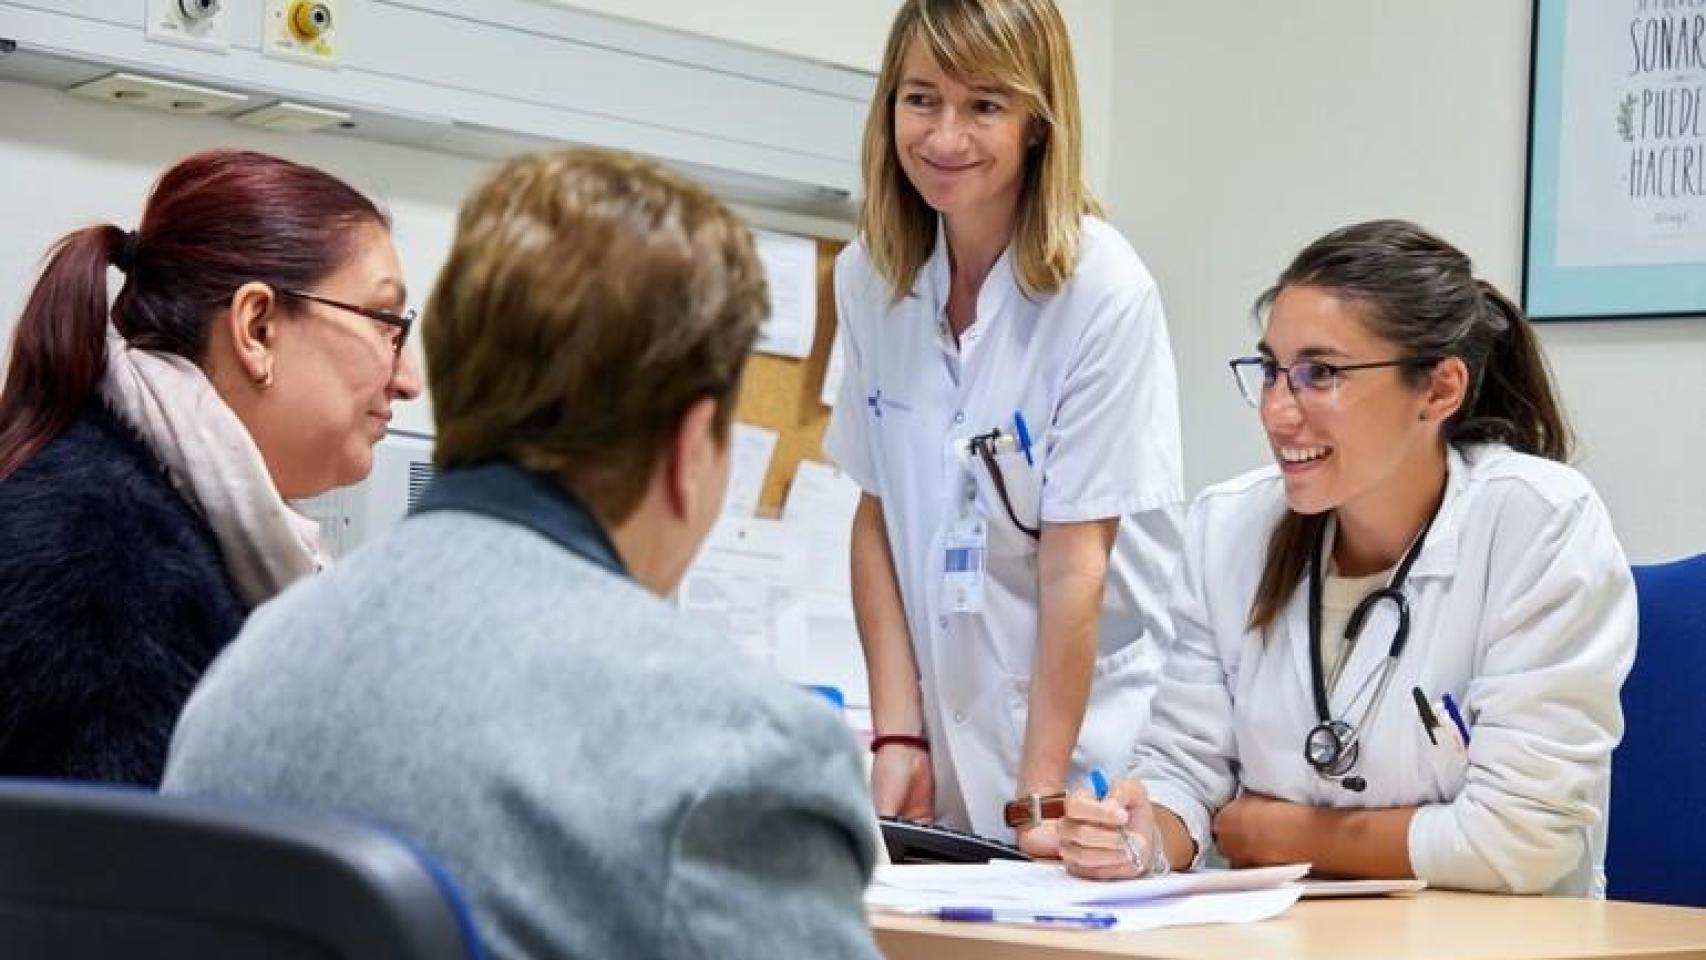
1091,368
1522,607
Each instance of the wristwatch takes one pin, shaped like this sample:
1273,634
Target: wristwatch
1033,808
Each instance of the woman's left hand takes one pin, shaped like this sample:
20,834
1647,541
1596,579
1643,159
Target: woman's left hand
1252,830
1041,842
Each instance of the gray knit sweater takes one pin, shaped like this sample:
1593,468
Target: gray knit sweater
602,777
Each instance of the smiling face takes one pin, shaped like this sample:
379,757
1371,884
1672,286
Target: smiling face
337,374
963,145
1360,441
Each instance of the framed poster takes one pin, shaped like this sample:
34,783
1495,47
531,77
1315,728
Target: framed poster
1616,207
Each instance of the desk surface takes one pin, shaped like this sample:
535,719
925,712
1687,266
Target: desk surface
1433,925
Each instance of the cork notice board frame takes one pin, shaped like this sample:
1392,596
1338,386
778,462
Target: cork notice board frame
782,393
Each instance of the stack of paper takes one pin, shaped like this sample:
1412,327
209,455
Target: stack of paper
1011,887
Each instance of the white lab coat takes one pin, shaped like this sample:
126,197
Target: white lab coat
1091,369
1522,607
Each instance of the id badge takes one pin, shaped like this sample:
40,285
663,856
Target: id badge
963,556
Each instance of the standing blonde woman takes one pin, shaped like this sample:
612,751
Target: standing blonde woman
1010,411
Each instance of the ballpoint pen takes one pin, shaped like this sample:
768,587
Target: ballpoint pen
1024,434
1088,919
1099,783
1455,715
1430,723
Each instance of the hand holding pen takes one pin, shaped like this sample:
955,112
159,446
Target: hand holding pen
1111,834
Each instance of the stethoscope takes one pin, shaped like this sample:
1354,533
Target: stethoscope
1332,746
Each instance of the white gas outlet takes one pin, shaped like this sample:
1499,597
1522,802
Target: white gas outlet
287,117
303,31
203,24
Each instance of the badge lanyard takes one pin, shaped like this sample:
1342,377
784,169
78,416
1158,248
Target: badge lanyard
965,549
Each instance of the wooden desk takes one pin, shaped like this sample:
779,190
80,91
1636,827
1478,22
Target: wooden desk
1429,926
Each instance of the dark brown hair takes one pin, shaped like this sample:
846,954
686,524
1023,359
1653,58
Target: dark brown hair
214,221
1420,293
589,300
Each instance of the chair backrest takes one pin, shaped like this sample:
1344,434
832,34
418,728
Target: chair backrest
91,871
1656,847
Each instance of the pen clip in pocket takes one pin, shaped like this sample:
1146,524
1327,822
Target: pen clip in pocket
985,448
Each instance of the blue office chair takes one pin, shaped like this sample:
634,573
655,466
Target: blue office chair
89,871
1656,846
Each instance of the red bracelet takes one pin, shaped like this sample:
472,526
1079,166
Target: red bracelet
903,739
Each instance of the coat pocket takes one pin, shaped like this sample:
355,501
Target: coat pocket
1009,495
1122,684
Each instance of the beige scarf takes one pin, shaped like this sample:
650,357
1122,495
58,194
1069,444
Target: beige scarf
215,465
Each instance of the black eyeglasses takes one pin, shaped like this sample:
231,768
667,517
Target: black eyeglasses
400,322
1310,380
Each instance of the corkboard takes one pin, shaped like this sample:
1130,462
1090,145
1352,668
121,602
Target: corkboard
782,394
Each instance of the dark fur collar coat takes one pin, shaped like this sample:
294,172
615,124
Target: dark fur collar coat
113,600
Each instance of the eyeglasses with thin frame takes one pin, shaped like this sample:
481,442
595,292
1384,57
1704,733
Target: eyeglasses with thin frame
401,322
1309,380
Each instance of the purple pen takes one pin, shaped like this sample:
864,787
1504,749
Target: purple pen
1086,919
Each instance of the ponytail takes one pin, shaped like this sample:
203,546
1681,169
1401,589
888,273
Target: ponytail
215,221
59,344
1513,401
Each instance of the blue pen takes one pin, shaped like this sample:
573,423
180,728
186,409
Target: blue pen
1093,921
1455,715
1099,783
1024,434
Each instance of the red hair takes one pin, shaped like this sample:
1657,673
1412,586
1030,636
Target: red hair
214,221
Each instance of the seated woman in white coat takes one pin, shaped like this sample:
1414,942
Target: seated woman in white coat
1399,648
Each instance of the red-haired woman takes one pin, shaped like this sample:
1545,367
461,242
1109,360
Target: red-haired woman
147,452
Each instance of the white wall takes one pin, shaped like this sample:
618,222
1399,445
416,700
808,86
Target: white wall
848,33
66,163
1243,131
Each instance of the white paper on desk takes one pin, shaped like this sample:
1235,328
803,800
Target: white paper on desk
1016,883
790,270
1362,888
833,371
750,450
742,583
1228,906
1236,906
1233,906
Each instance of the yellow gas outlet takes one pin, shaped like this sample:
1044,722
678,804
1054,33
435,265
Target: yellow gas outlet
304,31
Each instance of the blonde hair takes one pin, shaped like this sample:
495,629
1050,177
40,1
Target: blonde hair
1022,47
589,300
